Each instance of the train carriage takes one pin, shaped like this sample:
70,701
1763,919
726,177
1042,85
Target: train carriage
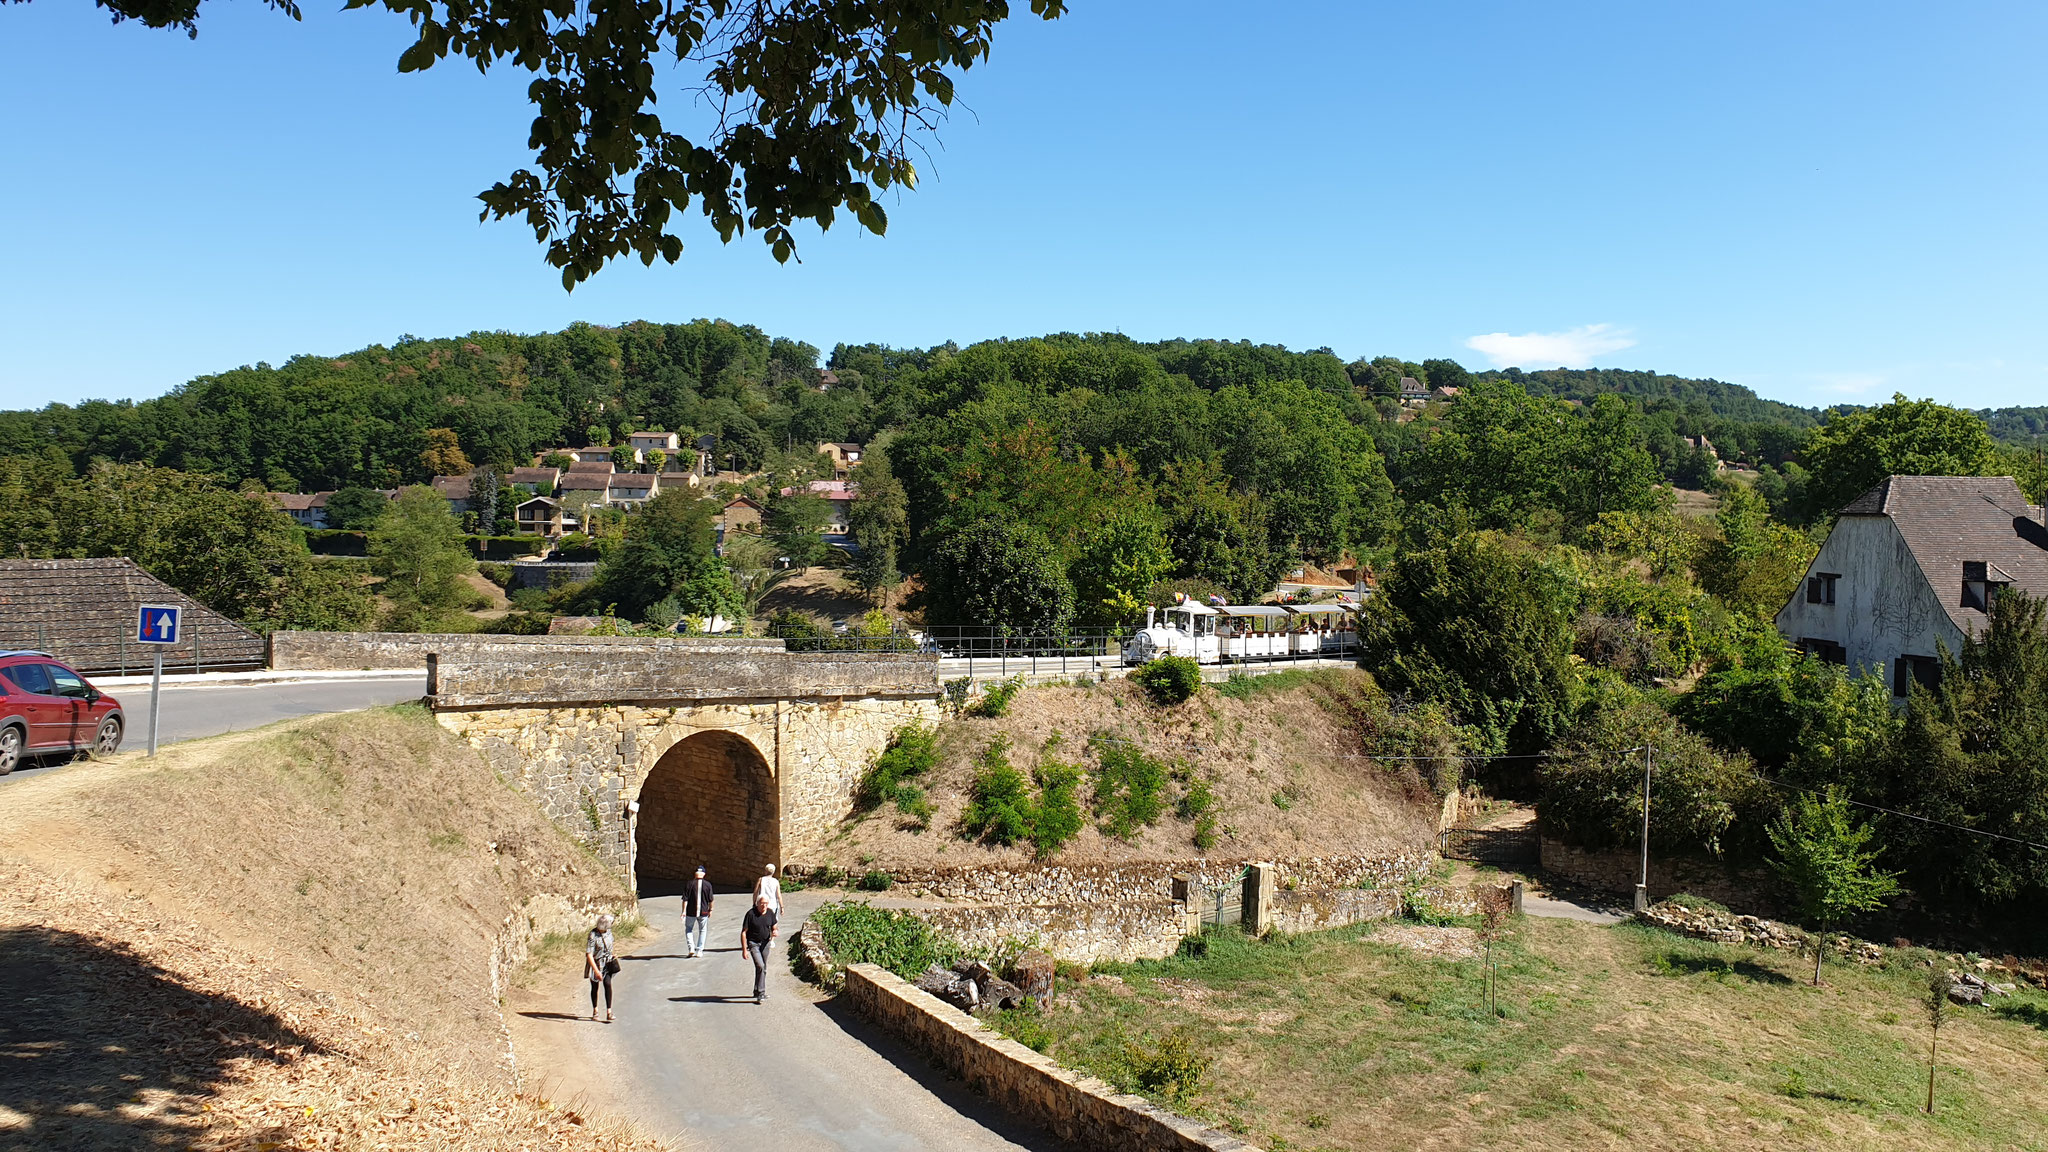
1236,633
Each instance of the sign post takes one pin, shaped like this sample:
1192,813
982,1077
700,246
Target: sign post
157,625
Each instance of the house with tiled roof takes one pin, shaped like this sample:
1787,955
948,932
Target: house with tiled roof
631,489
1911,567
839,496
307,510
533,481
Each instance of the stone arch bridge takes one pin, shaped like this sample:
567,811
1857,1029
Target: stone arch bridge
661,759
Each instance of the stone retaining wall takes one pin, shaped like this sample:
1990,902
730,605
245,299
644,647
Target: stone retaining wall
1078,1109
1144,881
1333,908
347,651
568,673
1079,933
1618,872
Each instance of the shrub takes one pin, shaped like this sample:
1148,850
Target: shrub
1128,787
995,699
956,691
877,882
898,941
912,802
1174,1070
1169,679
1058,816
999,807
1197,803
913,751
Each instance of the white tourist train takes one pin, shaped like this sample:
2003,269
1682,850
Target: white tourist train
1230,633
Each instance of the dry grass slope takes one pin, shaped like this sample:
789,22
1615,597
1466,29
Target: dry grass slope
293,929
1283,764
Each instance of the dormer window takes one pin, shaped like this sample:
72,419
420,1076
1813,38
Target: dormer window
1982,582
1820,587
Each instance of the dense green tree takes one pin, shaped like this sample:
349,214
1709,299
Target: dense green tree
1753,562
794,519
1974,752
1476,622
1218,535
880,523
417,548
1000,575
1499,453
355,509
668,551
1118,563
1604,466
1854,450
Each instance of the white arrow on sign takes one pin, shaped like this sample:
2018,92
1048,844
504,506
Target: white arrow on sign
163,626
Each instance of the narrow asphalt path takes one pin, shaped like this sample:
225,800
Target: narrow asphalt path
692,1056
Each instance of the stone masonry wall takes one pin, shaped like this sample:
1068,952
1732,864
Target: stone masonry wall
566,675
1080,933
343,651
1333,908
584,764
1080,1110
1617,872
1145,880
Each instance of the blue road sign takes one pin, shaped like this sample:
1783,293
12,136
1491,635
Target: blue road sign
157,624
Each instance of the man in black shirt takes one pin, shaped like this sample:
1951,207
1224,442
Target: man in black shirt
696,912
757,929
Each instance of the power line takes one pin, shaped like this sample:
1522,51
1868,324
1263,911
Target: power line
1910,816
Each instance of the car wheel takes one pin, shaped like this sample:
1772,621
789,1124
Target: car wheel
109,740
10,749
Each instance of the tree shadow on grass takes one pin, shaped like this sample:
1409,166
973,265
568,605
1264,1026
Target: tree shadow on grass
1718,967
99,1048
2024,1012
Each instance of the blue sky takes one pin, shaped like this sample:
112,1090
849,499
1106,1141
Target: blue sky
1827,202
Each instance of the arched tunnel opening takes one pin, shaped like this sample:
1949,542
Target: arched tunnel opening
710,800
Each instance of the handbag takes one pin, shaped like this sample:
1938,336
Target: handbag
611,966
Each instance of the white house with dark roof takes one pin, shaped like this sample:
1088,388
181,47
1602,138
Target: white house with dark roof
1910,567
631,489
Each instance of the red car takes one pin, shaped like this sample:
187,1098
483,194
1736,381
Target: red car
47,708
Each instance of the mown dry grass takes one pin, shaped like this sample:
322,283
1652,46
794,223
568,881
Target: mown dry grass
1606,1038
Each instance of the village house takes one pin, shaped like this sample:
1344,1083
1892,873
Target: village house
308,511
1445,395
1910,568
1413,394
843,456
590,486
839,496
629,490
741,515
621,456
542,516
592,467
533,481
455,490
668,443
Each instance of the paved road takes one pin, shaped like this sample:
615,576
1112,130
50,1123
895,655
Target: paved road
191,711
692,1056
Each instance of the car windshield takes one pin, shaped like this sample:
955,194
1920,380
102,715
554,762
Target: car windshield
30,678
67,681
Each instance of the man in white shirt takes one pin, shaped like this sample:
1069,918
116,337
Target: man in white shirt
771,888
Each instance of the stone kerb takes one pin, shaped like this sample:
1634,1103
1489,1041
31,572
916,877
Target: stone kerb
1078,1109
559,678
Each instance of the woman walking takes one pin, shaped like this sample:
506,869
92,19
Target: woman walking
599,964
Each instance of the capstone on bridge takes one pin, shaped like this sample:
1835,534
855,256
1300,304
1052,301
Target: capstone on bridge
735,754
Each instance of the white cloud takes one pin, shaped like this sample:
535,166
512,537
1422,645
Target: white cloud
1574,349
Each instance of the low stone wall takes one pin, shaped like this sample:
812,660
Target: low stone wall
569,673
1143,881
348,651
1078,933
1333,908
1727,928
1618,872
1078,1109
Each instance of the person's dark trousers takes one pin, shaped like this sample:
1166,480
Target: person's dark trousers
757,951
